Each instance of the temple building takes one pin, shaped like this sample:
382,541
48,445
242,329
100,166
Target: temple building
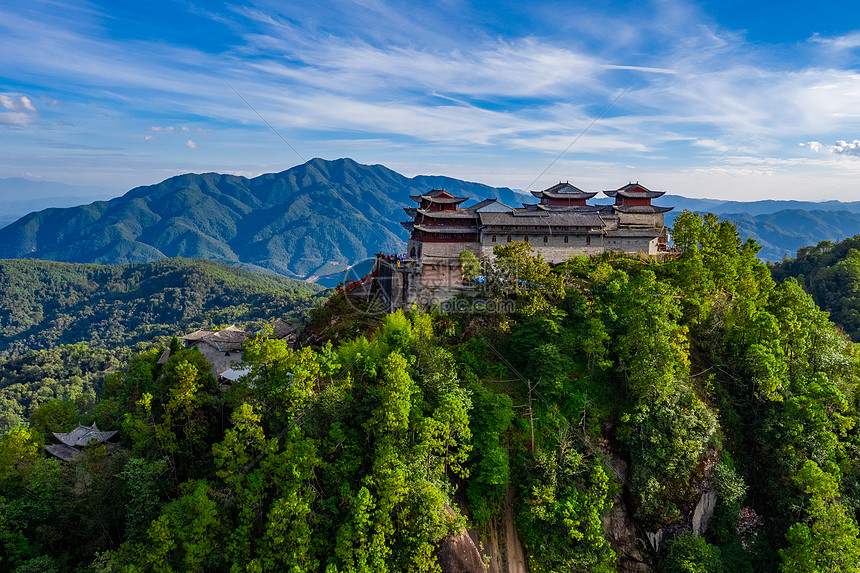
560,225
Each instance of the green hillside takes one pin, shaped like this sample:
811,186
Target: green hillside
830,272
44,304
589,424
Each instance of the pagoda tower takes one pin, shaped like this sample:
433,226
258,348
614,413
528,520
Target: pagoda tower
564,195
440,228
633,206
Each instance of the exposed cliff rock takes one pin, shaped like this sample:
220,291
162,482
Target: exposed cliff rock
621,529
458,554
502,542
695,516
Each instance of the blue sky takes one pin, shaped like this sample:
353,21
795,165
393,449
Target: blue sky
735,100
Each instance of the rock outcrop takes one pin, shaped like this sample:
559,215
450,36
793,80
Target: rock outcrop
501,544
458,554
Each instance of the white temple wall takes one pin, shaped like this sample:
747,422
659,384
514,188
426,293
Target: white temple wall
640,219
554,250
631,244
430,251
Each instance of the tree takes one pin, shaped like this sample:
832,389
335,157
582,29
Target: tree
827,542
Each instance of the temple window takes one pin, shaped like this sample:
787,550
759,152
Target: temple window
545,239
509,238
565,239
494,238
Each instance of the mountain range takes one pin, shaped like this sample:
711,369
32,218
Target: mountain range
315,220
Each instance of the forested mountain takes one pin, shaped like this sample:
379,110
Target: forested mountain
610,413
782,233
830,272
44,304
313,220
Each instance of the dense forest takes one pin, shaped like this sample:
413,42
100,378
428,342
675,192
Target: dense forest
71,373
830,272
616,395
45,303
64,327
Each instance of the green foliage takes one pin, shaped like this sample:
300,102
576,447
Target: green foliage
71,374
561,512
689,553
470,264
489,464
828,540
528,276
831,274
19,449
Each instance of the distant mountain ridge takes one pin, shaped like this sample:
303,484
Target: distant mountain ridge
314,220
311,220
19,196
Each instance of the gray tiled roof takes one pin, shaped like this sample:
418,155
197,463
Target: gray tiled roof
649,232
228,340
642,209
458,214
564,191
83,435
542,219
459,230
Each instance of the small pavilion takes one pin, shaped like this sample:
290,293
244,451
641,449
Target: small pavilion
72,443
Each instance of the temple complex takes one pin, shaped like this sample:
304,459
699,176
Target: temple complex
560,225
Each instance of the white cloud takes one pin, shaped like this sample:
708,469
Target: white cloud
841,147
149,137
22,112
845,148
191,144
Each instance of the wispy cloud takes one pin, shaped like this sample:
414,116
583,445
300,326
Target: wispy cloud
843,42
465,82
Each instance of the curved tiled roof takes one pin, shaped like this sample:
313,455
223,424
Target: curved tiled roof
542,219
435,196
564,191
641,209
83,435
